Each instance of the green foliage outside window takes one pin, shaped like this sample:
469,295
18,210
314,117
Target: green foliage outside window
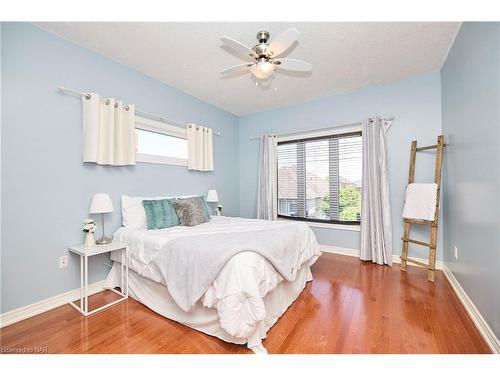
349,202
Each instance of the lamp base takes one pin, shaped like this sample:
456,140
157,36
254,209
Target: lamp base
103,240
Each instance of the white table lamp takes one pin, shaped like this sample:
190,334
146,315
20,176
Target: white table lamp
212,197
101,204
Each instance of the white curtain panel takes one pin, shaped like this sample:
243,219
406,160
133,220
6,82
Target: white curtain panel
267,190
109,131
376,226
200,148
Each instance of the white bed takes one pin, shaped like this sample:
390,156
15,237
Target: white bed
245,299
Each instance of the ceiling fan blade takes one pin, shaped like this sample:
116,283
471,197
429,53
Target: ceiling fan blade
283,41
237,68
238,47
293,65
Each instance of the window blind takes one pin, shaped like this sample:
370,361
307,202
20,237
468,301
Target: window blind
319,179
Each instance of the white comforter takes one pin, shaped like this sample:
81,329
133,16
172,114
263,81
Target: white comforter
238,291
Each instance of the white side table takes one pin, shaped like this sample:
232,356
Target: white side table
87,251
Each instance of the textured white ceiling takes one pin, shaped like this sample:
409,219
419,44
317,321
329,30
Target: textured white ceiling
345,56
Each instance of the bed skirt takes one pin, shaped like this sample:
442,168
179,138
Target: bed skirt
156,297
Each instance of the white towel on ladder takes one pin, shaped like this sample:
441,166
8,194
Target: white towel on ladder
420,201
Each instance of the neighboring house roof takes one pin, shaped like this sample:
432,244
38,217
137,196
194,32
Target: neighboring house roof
316,187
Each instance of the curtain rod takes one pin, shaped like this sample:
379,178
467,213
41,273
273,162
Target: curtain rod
319,129
139,112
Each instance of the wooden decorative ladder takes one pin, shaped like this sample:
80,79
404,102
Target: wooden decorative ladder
431,266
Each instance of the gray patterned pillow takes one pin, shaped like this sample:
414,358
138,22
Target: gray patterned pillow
191,211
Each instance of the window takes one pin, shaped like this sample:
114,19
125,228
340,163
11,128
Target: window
161,143
319,178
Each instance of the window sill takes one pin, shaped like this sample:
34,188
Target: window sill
155,159
312,224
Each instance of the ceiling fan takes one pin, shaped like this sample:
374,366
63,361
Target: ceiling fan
263,58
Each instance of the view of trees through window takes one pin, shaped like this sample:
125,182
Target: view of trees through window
349,203
320,179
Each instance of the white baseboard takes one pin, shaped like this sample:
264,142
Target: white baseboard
355,253
36,308
483,327
339,250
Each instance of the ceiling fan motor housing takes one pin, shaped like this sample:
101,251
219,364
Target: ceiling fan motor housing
263,36
261,48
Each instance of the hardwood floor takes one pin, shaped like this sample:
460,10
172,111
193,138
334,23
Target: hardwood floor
350,307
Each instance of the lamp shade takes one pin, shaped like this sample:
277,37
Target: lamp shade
212,196
101,203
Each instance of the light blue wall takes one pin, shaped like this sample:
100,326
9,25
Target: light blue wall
471,122
416,105
46,189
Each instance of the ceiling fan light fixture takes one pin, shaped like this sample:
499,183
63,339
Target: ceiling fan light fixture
263,69
263,58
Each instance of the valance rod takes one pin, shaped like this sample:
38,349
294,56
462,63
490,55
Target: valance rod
307,131
139,112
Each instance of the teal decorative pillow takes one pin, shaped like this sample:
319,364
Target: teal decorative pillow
160,213
205,206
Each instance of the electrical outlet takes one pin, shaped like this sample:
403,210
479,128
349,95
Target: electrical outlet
63,261
456,252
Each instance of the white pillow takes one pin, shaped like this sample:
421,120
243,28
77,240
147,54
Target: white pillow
133,214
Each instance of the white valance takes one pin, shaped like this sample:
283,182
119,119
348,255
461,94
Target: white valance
109,128
200,148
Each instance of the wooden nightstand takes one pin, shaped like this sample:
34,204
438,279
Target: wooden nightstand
87,251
